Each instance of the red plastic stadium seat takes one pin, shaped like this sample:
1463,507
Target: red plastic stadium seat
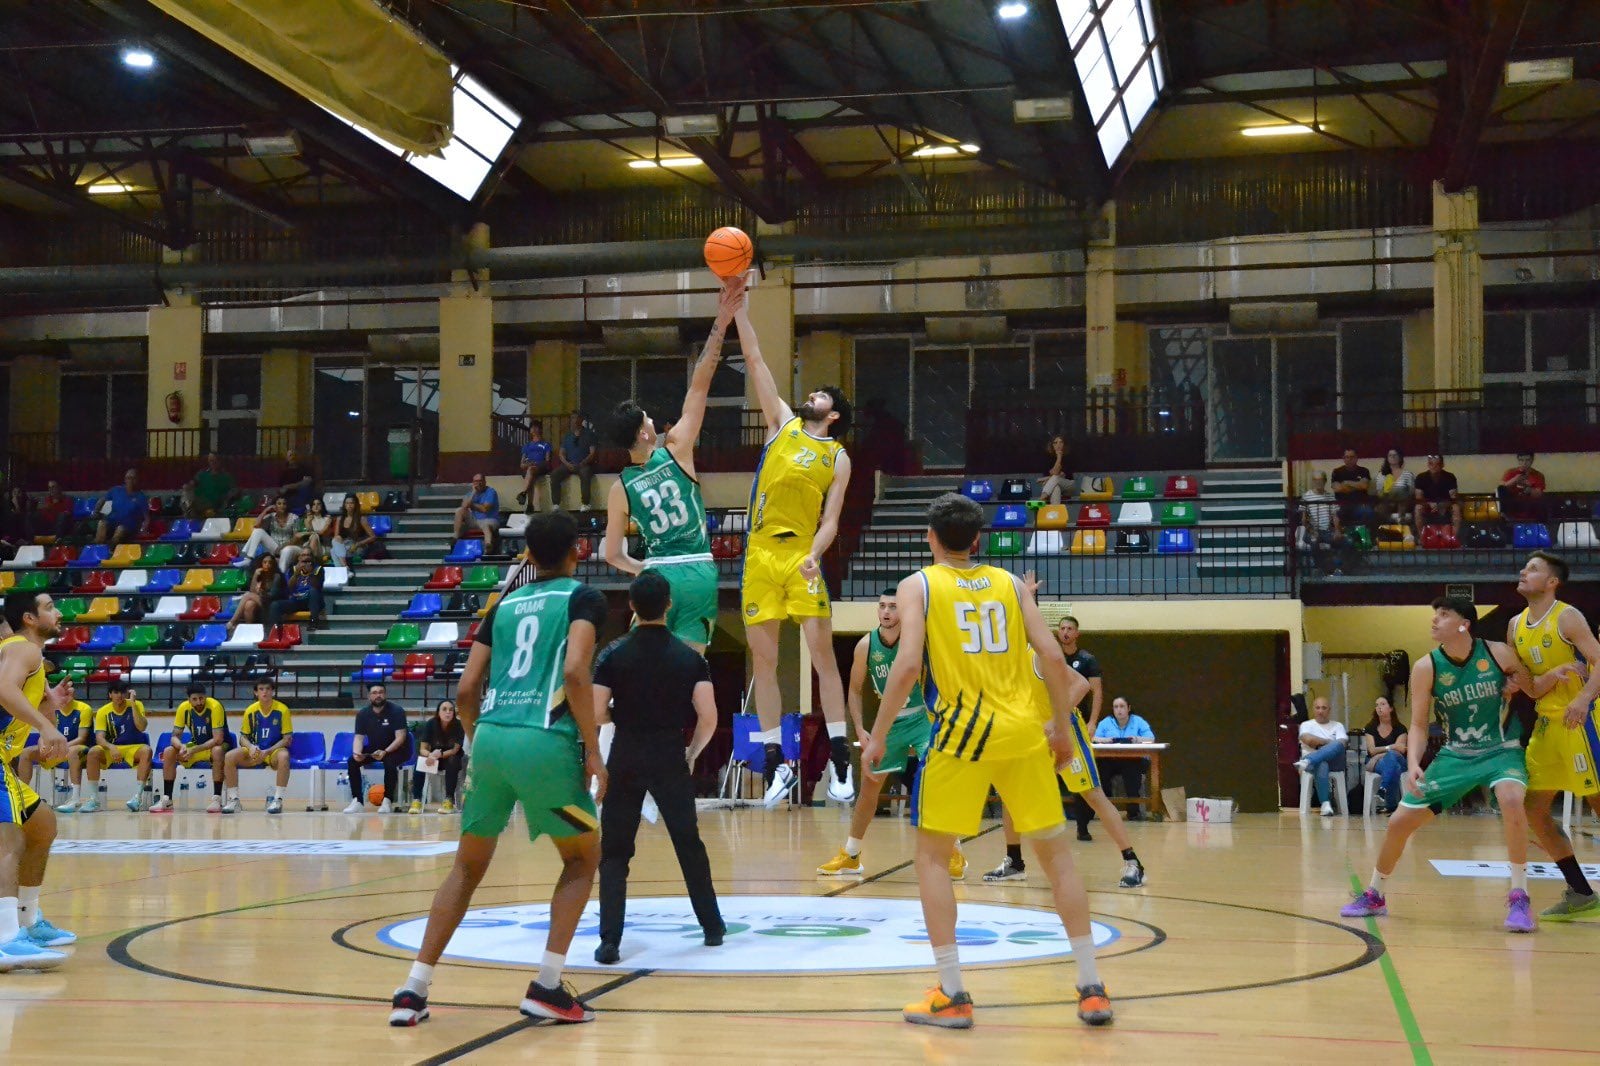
1094,516
1182,486
444,578
472,632
111,668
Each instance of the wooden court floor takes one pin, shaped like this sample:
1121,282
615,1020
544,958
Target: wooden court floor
1233,953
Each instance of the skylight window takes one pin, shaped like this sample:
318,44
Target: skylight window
1118,61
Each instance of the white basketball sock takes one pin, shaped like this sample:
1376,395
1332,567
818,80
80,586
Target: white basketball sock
836,729
8,919
28,910
948,961
1083,955
420,978
550,970
1519,877
852,846
1378,881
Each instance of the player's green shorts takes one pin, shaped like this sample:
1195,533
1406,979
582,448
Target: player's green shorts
692,617
541,769
1451,776
908,736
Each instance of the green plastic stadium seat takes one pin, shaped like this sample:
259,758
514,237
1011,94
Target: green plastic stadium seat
71,608
140,638
402,636
229,581
482,577
1180,513
1005,542
1139,487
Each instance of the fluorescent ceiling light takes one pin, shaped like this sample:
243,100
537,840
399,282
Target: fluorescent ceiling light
107,188
929,150
1286,130
673,161
138,58
1012,10
1536,71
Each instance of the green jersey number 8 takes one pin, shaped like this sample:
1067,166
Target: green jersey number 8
666,506
527,639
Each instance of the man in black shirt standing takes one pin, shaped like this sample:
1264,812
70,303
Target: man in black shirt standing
381,737
656,685
1438,499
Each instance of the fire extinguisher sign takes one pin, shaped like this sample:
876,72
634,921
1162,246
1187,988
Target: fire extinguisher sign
180,371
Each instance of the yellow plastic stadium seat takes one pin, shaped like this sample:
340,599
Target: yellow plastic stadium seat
1088,542
370,502
124,555
100,609
1395,538
1095,487
241,530
7,579
195,581
1480,510
1052,516
494,598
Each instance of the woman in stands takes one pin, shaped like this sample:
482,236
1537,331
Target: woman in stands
1384,745
1398,489
266,585
1058,479
441,742
352,534
314,527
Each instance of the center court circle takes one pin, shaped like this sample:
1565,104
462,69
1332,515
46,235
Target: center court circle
766,934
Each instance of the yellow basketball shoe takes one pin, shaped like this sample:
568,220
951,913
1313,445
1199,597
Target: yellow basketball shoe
936,1008
958,865
842,865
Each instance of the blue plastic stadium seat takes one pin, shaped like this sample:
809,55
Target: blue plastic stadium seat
104,639
382,525
82,508
339,754
1010,516
1530,536
161,582
375,666
424,605
465,551
182,529
1178,541
207,638
307,751
92,556
978,489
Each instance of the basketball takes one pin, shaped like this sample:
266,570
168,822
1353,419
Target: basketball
375,795
728,252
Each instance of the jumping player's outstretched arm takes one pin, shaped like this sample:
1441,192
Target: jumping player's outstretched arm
1066,686
616,542
858,681
832,508
682,436
773,407
903,674
1421,708
1575,629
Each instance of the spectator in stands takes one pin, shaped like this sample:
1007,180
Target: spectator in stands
1521,492
213,489
310,535
1322,747
1437,499
124,511
16,521
439,747
274,532
1058,479
55,512
535,466
1321,530
266,587
577,455
297,481
481,507
1397,493
352,534
1124,727
381,738
1384,744
302,592
1352,487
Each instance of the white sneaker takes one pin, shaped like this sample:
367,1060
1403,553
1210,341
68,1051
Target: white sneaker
70,807
1300,765
161,806
649,811
385,807
90,805
1327,810
135,802
356,807
233,806
215,806
782,782
275,805
841,791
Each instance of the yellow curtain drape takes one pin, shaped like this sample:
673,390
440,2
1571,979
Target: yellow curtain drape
350,56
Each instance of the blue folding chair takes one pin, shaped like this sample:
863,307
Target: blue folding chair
309,751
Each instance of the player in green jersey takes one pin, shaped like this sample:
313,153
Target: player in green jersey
659,491
1467,680
908,738
533,738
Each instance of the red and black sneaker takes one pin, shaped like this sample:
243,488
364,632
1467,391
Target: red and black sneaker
408,1008
555,1006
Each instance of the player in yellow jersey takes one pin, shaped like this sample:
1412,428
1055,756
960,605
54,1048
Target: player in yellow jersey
24,698
795,503
75,720
120,739
979,633
1552,637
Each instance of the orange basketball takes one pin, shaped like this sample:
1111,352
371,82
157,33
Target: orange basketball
728,252
375,795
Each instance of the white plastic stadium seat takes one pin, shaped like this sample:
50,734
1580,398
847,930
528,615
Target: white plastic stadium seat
168,608
1576,535
335,577
28,556
333,501
149,670
130,582
213,529
1136,513
246,637
516,523
1047,542
181,668
735,522
440,635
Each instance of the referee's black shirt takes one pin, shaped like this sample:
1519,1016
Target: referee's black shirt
651,675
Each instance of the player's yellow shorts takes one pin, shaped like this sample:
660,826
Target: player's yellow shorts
773,589
1562,759
197,755
52,764
122,754
17,799
1080,773
951,792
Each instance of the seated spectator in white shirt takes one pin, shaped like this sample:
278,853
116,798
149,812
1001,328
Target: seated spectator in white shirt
1321,528
1124,727
1322,747
1398,496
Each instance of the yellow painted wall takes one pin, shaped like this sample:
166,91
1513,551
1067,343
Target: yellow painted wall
35,400
1480,474
466,393
173,350
772,316
823,358
286,385
1416,339
553,380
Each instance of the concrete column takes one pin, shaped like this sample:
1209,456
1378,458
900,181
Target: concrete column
35,403
286,388
826,358
1100,301
466,383
173,360
772,315
553,382
1457,291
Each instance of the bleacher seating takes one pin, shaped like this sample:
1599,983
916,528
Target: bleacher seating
28,555
228,581
375,666
1135,513
1089,542
161,582
402,636
200,609
104,638
282,638
1046,542
208,638
246,635
465,551
440,635
1094,516
183,529
1095,487
140,639
1576,535
1182,486
468,637
1176,541
424,605
1139,487
110,668
93,555
1179,513
1010,516
445,578
1530,536
978,489
1439,538
220,554
196,580
418,666
129,581
1132,542
1052,516
1004,542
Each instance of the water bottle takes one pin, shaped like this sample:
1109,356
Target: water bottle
344,780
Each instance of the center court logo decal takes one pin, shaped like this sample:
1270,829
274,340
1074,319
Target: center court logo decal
766,934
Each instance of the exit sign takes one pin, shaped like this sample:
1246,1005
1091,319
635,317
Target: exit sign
1463,592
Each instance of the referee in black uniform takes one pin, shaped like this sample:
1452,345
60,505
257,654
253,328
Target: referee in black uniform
1087,665
656,686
